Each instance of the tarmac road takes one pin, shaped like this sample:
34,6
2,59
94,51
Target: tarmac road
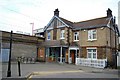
55,70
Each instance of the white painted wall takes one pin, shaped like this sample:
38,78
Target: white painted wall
118,59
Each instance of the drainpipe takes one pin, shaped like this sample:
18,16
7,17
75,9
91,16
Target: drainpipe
115,51
61,55
68,45
76,57
115,45
37,49
110,46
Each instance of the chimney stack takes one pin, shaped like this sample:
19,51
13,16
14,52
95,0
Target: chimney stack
109,13
114,20
56,12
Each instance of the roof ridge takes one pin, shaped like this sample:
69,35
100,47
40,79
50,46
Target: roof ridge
66,19
91,19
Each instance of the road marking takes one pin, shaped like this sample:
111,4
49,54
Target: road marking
50,72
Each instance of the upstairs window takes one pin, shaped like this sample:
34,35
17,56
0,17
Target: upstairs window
76,36
92,34
48,36
62,35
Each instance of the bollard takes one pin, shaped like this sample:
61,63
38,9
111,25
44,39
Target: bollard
19,70
25,60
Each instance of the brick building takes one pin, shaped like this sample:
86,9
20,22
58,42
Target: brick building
90,43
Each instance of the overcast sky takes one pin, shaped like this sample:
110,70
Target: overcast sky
17,15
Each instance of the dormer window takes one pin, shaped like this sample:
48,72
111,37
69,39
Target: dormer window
76,36
62,35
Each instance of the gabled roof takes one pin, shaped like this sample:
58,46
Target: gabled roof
93,23
98,22
65,22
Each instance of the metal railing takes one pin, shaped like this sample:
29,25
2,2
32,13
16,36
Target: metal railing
26,59
70,60
63,59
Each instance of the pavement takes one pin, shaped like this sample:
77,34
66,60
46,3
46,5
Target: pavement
46,70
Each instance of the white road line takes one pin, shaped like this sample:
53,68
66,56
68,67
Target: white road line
50,72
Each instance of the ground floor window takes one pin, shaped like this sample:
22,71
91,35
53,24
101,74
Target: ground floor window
92,53
4,55
54,53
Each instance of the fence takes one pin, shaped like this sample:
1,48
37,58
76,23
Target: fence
98,63
70,60
27,59
63,59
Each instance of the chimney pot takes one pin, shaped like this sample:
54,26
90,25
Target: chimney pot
56,12
109,13
114,20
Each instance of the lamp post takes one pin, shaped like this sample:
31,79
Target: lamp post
32,27
9,63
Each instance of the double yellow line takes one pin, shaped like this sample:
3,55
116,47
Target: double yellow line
52,72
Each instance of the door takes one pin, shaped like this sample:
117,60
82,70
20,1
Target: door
66,57
73,56
41,54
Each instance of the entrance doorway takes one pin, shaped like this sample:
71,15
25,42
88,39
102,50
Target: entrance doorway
72,54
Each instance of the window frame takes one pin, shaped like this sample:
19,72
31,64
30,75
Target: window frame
92,52
76,36
62,34
48,34
91,34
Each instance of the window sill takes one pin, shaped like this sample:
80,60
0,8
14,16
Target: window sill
92,58
62,38
91,40
76,40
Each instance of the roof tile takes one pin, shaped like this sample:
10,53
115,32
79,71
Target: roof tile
97,22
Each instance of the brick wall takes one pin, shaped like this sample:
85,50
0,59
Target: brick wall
22,49
83,53
22,45
59,33
101,38
101,53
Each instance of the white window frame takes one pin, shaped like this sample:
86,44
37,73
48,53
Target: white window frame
62,34
76,36
48,34
92,52
91,33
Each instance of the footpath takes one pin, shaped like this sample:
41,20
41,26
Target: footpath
27,69
93,70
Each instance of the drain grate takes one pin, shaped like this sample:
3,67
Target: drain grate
96,72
